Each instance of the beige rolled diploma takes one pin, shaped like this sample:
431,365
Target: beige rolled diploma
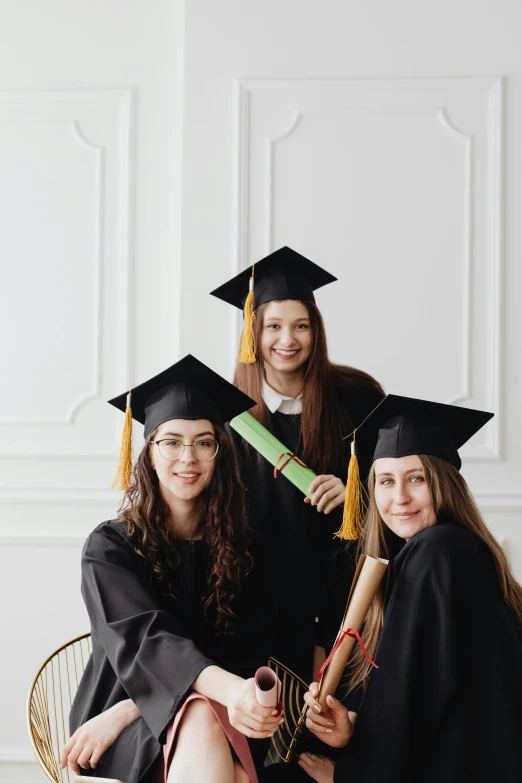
368,576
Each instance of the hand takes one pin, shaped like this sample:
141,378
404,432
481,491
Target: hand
90,741
335,726
326,488
320,768
249,717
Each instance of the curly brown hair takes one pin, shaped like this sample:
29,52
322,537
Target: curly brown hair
222,525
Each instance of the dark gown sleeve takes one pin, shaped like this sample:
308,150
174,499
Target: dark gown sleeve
407,697
149,650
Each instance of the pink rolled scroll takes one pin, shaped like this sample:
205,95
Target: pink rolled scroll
268,688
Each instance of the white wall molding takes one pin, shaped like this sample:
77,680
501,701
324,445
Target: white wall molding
269,187
17,754
98,151
58,496
467,140
496,253
83,106
42,542
384,95
496,500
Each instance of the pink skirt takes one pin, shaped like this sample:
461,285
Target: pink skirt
236,739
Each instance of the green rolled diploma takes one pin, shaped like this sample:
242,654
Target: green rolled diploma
271,449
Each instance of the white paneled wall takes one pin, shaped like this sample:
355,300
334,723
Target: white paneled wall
323,162
379,139
66,158
90,162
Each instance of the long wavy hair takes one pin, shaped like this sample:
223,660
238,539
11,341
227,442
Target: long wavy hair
324,420
452,499
222,525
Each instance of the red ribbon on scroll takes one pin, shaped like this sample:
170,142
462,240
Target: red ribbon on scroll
290,458
349,632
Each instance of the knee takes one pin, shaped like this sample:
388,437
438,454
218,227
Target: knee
200,718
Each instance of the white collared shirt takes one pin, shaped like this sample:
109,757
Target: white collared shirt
278,402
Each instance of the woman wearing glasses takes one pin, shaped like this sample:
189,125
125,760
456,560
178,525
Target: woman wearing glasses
179,595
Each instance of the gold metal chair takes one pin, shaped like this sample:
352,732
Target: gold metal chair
284,741
53,689
49,702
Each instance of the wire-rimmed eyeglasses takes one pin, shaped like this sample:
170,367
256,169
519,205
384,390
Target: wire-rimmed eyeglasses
171,450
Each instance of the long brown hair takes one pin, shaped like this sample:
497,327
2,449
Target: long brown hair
222,525
453,500
324,421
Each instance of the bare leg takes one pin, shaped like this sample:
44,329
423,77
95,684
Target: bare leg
202,751
240,773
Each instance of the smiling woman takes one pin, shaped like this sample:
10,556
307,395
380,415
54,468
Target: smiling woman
180,598
445,702
308,403
172,449
402,495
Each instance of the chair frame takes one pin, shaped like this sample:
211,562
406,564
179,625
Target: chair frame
46,758
282,745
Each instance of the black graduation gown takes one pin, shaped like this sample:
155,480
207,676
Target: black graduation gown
445,706
150,648
302,539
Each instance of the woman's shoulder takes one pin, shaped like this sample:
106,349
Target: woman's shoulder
450,543
108,538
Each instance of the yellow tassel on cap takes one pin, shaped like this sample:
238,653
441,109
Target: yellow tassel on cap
355,502
247,351
122,478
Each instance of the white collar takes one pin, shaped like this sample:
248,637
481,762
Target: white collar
275,401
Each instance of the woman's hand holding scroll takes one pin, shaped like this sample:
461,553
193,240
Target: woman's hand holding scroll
247,715
326,489
333,727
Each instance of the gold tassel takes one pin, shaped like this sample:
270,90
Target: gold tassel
123,475
247,350
354,504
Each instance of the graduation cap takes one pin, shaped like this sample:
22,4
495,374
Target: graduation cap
399,427
284,274
186,390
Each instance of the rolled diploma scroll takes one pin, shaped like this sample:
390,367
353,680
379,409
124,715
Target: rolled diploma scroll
268,687
272,449
368,576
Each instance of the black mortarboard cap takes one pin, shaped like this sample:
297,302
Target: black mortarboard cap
284,274
400,427
186,390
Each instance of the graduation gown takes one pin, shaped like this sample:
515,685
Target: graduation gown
302,539
446,702
150,648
